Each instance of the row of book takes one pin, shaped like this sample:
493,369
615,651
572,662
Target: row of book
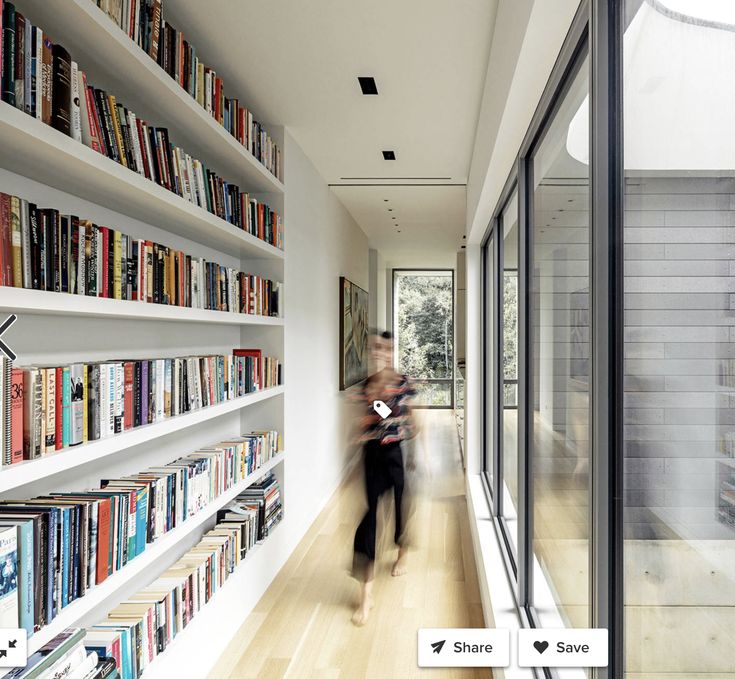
141,628
94,117
57,547
45,409
144,22
66,657
42,249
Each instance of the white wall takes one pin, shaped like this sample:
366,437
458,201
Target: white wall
323,243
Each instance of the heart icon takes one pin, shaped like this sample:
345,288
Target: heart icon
540,646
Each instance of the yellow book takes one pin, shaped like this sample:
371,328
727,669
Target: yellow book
117,265
15,235
117,129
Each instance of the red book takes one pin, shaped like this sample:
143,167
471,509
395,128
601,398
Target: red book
104,255
16,417
257,355
129,373
103,539
94,130
59,408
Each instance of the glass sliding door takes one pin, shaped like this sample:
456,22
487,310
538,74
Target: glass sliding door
423,323
560,369
679,281
509,338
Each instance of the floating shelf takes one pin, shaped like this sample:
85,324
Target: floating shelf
104,596
30,471
38,151
22,301
115,63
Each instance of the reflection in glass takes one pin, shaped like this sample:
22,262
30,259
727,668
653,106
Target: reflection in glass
679,348
509,333
560,335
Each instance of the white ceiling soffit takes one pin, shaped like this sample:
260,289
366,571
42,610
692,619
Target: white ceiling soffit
428,224
296,63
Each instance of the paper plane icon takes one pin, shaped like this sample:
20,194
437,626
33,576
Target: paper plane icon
438,645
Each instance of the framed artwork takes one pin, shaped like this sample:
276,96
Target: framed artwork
353,333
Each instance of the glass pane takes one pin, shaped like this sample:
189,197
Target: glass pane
561,373
679,339
424,315
489,396
433,393
509,332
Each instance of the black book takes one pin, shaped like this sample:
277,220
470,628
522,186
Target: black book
156,159
136,394
43,256
64,252
108,132
34,215
8,55
61,101
105,668
51,235
110,264
127,140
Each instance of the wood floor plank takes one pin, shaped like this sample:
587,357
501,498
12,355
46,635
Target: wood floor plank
302,628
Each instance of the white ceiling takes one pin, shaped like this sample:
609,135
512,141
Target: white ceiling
296,63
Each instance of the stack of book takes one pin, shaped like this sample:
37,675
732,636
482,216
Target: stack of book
263,497
141,628
40,78
63,544
144,22
42,249
66,656
45,409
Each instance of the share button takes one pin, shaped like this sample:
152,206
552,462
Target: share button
452,647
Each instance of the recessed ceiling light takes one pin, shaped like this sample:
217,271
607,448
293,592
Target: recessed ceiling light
389,155
390,209
464,246
392,217
385,200
399,231
367,84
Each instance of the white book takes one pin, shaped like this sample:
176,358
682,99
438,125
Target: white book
190,180
133,124
76,114
66,664
104,404
39,75
84,668
160,388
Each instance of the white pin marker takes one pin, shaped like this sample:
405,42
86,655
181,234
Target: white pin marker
382,409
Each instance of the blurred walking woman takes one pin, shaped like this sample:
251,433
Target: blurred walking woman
381,435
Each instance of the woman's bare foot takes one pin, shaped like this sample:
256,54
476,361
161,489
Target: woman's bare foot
400,567
362,612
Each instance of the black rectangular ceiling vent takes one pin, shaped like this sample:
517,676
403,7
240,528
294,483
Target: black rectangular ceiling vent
367,85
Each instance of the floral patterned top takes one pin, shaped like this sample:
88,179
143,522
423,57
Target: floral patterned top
397,426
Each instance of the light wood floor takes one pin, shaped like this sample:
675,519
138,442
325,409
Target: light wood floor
301,628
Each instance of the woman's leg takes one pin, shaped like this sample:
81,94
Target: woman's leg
397,473
364,544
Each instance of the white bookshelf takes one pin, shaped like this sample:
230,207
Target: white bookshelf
32,471
115,63
61,303
118,584
33,151
46,155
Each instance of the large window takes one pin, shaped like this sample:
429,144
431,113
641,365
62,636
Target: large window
560,349
679,280
423,323
508,224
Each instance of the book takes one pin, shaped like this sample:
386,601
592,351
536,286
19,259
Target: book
76,104
42,249
9,610
16,416
61,88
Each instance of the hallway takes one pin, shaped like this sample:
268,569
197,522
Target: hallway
301,627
